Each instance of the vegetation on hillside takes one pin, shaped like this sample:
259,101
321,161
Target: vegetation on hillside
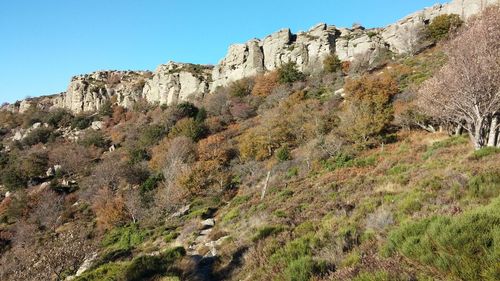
274,177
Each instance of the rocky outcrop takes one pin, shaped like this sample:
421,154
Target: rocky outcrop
175,82
90,91
172,83
307,49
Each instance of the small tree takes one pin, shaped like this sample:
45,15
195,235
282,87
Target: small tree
442,25
265,84
332,64
466,91
288,73
368,107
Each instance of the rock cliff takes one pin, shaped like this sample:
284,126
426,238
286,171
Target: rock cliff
172,83
175,82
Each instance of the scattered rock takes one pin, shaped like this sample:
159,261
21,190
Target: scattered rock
181,212
97,125
208,223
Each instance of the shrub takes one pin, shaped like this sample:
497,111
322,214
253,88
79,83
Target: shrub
38,135
13,179
241,88
441,26
265,84
186,109
267,231
232,214
288,73
106,109
151,135
188,127
144,267
94,138
303,268
374,276
33,165
332,64
295,258
81,122
485,185
151,183
283,154
140,268
369,109
464,246
59,118
123,238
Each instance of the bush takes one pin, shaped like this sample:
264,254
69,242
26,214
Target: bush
265,84
82,122
94,138
140,268
296,259
441,26
241,88
332,64
123,238
151,135
464,246
59,118
485,185
283,154
188,127
374,276
38,135
186,109
13,179
288,73
267,231
151,183
106,109
303,268
368,107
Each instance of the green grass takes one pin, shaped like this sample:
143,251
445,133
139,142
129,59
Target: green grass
120,241
464,246
485,185
139,268
452,141
485,152
266,231
231,215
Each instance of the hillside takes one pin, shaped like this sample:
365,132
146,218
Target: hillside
333,154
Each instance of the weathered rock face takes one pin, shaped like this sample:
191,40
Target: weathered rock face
90,91
307,49
176,82
401,35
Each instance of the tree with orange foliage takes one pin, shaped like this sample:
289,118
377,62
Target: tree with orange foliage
265,84
368,105
109,208
211,167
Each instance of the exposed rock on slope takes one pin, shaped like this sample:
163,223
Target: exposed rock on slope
175,82
90,91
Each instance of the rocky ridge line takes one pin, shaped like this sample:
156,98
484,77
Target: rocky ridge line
173,82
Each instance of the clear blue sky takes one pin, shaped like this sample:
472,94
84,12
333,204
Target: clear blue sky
45,42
